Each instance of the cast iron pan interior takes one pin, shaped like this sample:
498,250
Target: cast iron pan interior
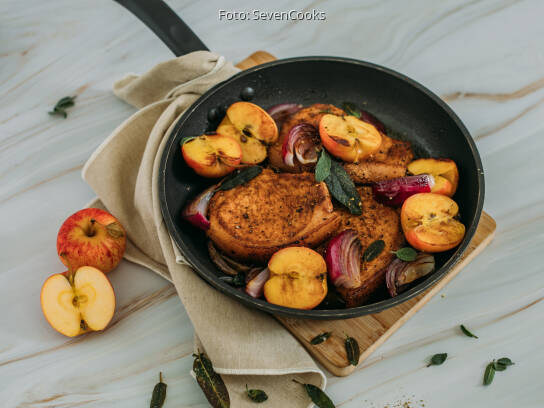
409,111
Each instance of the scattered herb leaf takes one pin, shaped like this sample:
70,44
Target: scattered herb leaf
240,279
467,332
62,105
211,383
240,177
406,254
342,188
489,374
351,109
505,361
323,166
159,394
352,350
502,364
256,395
373,250
437,359
187,139
320,338
317,396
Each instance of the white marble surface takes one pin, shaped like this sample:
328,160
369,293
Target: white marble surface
486,58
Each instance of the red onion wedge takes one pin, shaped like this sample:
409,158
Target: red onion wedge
399,273
255,287
282,111
302,142
195,212
395,191
343,258
373,120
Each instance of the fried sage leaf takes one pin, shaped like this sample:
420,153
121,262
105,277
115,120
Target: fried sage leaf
240,279
318,397
406,254
489,374
323,166
352,350
342,188
256,395
159,394
186,139
373,250
62,105
467,332
351,109
211,383
240,177
437,359
320,338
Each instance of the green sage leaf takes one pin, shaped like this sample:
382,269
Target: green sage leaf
352,350
406,254
256,395
489,374
320,338
343,189
186,139
159,394
240,177
505,361
323,166
211,383
318,397
62,105
502,364
351,109
437,359
467,332
373,250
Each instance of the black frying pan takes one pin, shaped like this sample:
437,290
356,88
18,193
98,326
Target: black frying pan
409,111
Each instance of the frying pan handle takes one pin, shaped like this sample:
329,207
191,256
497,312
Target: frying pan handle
166,24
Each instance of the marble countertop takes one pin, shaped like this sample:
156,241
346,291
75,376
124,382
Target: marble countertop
485,58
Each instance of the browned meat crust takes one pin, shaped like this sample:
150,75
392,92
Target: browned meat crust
272,211
312,115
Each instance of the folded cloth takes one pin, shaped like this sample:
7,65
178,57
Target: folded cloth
244,345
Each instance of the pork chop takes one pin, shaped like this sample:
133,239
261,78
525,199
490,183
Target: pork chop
390,161
252,221
376,222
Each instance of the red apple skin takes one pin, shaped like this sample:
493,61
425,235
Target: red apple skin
102,249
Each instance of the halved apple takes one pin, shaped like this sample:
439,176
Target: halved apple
348,138
298,278
78,304
444,171
252,127
212,155
428,222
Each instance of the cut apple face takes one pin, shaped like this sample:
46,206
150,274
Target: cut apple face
252,127
444,171
212,155
85,304
349,138
298,278
428,222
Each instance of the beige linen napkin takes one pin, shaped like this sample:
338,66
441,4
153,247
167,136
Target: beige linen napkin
245,346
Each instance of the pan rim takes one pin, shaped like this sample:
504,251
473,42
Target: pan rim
316,313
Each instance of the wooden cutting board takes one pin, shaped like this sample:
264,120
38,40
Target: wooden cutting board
370,331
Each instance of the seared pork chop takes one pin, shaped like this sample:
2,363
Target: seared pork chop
376,222
312,115
390,161
252,221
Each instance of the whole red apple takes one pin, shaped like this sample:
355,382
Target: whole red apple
91,237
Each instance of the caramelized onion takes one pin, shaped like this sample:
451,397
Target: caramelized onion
395,191
302,142
373,120
195,212
399,273
255,286
282,111
343,259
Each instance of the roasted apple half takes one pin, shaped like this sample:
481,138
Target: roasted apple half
444,171
212,155
252,128
348,138
298,278
429,224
